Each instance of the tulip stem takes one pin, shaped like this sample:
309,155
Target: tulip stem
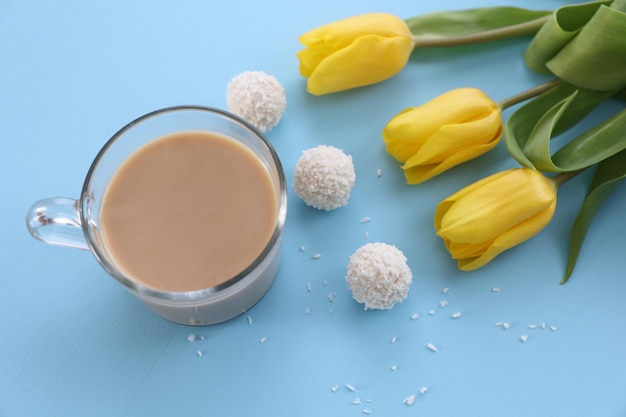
519,29
563,177
530,93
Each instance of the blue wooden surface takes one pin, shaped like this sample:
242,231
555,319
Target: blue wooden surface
73,342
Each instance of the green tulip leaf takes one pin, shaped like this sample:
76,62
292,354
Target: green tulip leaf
458,24
530,128
562,26
607,177
597,144
584,45
594,145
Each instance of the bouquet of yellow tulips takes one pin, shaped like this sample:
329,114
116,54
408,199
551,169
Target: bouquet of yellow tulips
582,47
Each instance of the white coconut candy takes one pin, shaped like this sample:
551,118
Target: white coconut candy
258,98
324,177
378,276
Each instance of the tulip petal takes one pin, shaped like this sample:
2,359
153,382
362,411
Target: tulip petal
453,138
340,33
367,60
420,173
512,237
488,212
354,52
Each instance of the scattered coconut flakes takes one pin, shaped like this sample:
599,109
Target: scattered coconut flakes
506,326
308,286
393,340
365,220
456,315
357,401
250,320
498,324
432,347
334,388
378,276
543,325
366,235
192,338
409,400
307,311
258,98
263,339
423,390
554,328
495,289
524,338
394,368
325,282
316,256
367,412
302,248
379,172
199,353
445,290
350,387
431,312
324,177
415,316
532,326
443,303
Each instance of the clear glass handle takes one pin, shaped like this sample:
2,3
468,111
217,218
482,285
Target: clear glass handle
56,221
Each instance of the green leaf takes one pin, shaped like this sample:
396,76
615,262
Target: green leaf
584,45
589,148
562,26
460,23
596,58
555,111
597,144
607,177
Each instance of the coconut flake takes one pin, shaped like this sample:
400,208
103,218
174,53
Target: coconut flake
409,400
432,347
324,177
258,98
378,276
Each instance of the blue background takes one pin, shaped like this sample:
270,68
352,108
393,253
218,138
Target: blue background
73,342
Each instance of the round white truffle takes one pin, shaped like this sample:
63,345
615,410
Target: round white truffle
258,98
378,276
324,177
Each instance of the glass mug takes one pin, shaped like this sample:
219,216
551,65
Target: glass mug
76,223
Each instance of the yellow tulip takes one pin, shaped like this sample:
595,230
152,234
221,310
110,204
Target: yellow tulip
354,52
495,214
444,132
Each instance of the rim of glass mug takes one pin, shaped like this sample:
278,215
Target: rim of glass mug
87,213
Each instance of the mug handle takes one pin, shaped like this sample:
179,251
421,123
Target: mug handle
56,221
